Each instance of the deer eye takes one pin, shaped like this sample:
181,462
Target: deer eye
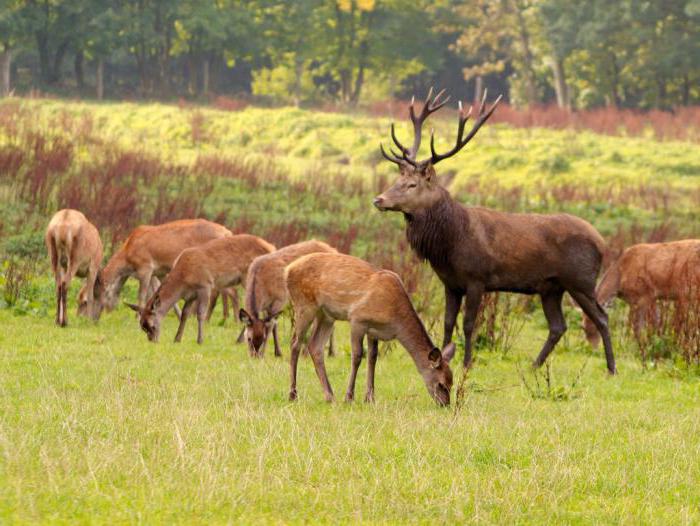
412,185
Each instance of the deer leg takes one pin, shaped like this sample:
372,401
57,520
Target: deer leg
471,311
453,300
303,320
275,340
371,364
212,303
331,347
203,298
90,292
324,326
235,302
596,313
186,311
551,305
64,302
58,301
144,286
356,335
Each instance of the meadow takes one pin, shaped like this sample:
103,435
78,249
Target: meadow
97,425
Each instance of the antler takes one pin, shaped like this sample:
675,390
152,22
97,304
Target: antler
431,105
463,118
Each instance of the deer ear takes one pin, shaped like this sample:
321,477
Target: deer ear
245,317
427,171
271,317
133,307
449,352
435,358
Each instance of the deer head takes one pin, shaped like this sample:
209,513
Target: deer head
417,187
149,320
256,330
97,300
438,375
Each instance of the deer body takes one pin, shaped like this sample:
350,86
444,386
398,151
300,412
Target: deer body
150,252
475,250
329,287
266,293
197,273
646,273
75,249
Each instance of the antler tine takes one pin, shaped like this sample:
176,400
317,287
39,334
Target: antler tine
396,140
483,102
388,157
462,141
430,105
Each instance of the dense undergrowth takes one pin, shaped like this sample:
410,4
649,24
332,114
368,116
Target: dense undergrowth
289,174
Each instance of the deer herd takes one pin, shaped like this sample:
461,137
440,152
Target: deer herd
472,250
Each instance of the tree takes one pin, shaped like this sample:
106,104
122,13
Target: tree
12,31
497,34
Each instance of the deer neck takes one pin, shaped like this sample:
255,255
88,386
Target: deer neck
431,231
412,335
253,293
169,293
116,272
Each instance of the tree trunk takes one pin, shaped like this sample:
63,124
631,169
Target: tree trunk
560,87
614,95
298,72
191,74
44,62
478,89
686,89
205,75
78,66
5,63
100,79
55,76
529,73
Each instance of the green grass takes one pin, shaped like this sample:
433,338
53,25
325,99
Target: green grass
98,425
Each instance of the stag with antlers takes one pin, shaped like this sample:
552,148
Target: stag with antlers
475,250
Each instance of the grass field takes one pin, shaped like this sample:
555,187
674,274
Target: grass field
99,426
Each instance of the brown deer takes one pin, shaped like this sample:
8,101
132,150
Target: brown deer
474,250
266,294
75,249
150,251
646,273
197,273
328,287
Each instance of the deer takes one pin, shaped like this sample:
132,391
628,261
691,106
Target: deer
75,249
150,252
197,273
326,287
646,273
475,250
266,294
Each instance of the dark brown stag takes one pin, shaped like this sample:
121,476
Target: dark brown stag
476,250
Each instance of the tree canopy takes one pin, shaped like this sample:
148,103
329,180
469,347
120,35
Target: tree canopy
630,53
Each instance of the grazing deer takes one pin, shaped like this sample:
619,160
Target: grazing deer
150,252
474,250
197,273
75,249
266,294
328,287
646,273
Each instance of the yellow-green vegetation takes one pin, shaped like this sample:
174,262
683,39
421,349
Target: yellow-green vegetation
97,425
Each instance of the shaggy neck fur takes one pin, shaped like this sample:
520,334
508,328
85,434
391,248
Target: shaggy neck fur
431,232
